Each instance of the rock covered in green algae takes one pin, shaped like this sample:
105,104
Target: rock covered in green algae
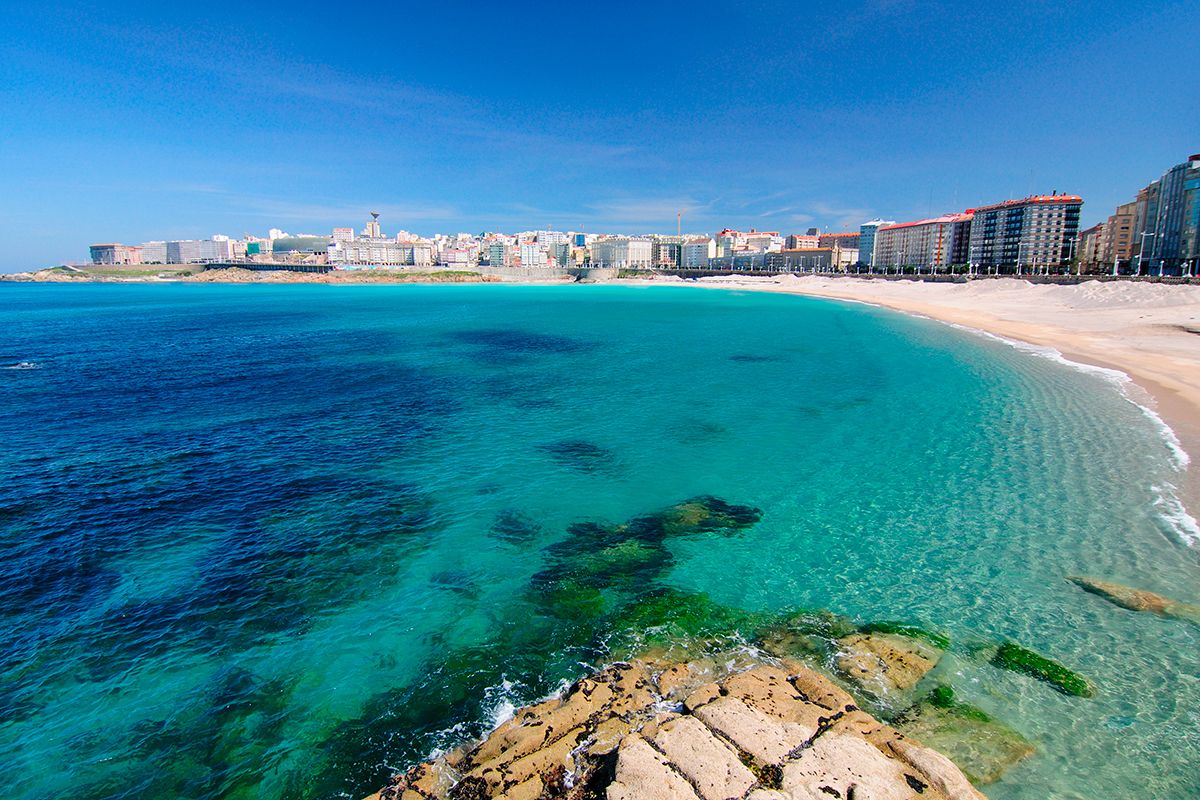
1138,599
634,557
939,640
981,746
1016,658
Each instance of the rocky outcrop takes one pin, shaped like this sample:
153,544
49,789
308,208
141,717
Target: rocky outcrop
767,732
885,663
1138,599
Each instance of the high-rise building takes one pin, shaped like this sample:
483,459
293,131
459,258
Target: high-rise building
1037,232
498,254
1189,241
936,243
1164,227
866,239
1116,240
372,231
343,235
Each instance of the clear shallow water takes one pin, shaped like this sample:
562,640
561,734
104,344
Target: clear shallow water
251,540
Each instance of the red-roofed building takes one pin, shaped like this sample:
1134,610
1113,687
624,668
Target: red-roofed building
934,244
1036,233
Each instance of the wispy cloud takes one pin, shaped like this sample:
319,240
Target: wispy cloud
842,217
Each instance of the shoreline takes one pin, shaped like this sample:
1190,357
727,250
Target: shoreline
1148,342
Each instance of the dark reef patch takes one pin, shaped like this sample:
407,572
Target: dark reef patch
699,431
216,746
750,358
514,345
514,527
459,581
581,455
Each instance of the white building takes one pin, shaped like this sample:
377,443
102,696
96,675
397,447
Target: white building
534,254
622,252
365,252
343,234
199,251
697,253
455,257
154,253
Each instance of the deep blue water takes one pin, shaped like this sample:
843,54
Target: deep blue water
275,541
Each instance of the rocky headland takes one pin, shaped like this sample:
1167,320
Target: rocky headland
700,701
700,730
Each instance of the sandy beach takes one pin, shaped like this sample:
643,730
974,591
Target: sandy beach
1150,332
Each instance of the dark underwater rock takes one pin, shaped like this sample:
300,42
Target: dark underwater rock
634,557
514,345
580,455
1016,658
514,527
751,358
460,581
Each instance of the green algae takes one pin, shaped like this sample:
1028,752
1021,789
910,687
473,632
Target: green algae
938,640
667,616
982,747
1015,658
942,697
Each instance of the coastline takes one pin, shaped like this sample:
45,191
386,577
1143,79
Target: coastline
1146,333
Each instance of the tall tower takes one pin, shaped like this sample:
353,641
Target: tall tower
373,226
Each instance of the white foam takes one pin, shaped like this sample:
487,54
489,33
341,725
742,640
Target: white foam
1179,457
1180,523
1170,507
503,708
23,365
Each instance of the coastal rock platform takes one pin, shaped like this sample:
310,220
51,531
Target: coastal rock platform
691,731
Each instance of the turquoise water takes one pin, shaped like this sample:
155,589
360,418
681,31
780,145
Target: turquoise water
276,541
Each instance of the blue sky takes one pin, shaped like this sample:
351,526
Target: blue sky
130,121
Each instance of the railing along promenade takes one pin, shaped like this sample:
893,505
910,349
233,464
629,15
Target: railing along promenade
914,274
604,272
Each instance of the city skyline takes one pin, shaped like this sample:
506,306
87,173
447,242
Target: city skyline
133,127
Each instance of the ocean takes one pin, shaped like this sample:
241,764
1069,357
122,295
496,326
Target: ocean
266,541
